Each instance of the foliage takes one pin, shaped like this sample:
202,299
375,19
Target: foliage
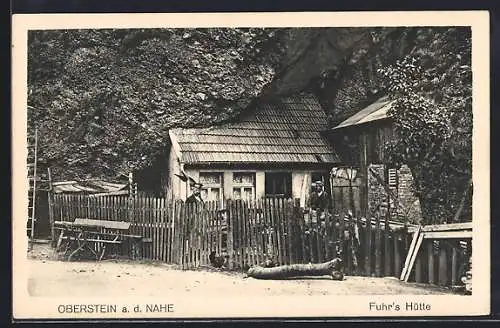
104,100
432,113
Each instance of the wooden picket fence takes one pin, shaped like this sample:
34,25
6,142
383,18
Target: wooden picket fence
250,233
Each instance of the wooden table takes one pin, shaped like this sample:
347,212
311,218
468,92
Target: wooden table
94,235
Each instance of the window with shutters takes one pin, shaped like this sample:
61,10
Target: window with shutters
392,178
392,183
244,185
212,186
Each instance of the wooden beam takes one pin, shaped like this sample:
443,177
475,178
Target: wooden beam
448,227
447,234
410,253
413,257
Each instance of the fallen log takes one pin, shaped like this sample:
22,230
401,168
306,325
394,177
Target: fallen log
333,268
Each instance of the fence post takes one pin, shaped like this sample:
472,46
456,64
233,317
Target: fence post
368,247
454,268
378,246
430,254
443,264
397,254
229,242
387,257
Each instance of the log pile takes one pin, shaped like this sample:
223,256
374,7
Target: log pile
333,268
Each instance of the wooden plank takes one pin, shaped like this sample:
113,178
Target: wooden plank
274,241
185,236
319,240
267,229
145,220
448,234
237,232
169,217
413,257
418,269
230,250
177,228
163,229
191,235
151,208
279,230
454,265
285,223
218,228
276,229
243,236
181,233
397,254
172,252
122,225
414,240
258,231
199,226
301,234
443,265
430,262
159,228
349,242
194,236
206,234
248,232
387,250
448,227
155,228
289,230
341,238
142,214
378,249
310,240
334,236
200,233
285,220
327,238
152,224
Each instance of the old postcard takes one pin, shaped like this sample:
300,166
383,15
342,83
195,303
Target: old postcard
251,165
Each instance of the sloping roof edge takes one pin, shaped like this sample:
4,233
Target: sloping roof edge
374,112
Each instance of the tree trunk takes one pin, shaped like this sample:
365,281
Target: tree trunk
333,268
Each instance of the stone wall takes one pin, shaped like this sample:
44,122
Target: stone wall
406,197
378,198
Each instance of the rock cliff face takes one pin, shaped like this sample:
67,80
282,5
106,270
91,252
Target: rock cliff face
339,65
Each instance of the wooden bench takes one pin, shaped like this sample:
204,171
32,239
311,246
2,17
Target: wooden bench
94,235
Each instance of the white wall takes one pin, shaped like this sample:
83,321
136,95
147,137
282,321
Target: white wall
301,185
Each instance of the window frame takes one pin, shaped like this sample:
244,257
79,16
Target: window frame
244,185
286,176
209,186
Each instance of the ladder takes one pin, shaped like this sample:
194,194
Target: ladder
36,184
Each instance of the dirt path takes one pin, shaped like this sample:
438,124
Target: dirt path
48,277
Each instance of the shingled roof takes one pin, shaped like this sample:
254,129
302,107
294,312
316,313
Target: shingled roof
282,131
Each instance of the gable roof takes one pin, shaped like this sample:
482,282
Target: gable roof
287,130
374,112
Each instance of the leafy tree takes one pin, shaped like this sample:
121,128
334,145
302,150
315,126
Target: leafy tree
432,113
